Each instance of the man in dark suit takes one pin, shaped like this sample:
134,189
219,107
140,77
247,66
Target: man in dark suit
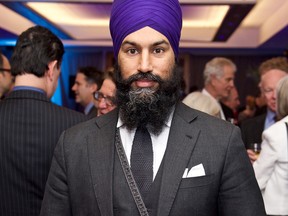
88,80
271,72
252,130
30,124
184,162
105,97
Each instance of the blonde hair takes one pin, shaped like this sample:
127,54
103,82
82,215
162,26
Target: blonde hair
279,63
204,103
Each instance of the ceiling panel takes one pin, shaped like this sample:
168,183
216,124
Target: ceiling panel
206,23
13,22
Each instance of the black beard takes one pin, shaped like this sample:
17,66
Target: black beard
146,106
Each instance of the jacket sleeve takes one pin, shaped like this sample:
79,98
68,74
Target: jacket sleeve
271,145
56,198
239,193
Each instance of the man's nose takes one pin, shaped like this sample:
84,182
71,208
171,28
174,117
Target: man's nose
102,103
231,83
145,62
73,87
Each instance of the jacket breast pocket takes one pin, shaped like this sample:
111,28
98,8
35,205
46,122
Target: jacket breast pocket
196,181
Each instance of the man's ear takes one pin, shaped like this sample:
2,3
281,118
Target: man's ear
93,87
213,78
51,69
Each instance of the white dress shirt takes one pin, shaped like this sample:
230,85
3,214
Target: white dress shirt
159,143
205,92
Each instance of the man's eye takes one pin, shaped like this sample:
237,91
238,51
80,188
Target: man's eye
132,51
268,90
229,79
158,50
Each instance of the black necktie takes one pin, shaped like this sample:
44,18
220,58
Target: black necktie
142,160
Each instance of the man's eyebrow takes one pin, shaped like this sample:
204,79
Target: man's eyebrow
157,43
129,43
160,43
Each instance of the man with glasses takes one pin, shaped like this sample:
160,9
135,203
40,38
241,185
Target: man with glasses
271,71
6,79
105,98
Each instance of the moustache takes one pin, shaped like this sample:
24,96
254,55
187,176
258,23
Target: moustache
141,75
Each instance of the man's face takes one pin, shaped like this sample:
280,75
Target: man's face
233,101
148,80
146,50
105,104
83,90
268,85
6,79
223,85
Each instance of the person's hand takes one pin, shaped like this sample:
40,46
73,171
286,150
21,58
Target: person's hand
252,155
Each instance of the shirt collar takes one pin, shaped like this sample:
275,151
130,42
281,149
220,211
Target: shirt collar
270,115
88,108
17,88
270,119
205,92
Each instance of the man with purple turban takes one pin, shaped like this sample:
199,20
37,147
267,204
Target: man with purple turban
152,155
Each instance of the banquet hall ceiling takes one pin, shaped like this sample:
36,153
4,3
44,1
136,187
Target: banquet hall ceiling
206,23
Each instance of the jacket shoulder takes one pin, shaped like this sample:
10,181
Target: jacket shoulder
255,121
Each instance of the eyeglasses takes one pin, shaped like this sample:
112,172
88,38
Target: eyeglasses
110,101
5,69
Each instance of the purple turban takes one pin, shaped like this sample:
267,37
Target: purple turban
128,16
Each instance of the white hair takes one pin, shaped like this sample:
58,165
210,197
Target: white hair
216,67
204,103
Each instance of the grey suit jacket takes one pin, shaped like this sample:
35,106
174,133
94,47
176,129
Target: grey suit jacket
30,126
80,179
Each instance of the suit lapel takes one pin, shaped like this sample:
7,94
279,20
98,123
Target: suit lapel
181,142
101,159
178,153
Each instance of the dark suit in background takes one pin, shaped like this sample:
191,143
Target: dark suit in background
30,124
252,129
228,112
30,127
92,112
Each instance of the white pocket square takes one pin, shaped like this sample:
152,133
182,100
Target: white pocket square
195,171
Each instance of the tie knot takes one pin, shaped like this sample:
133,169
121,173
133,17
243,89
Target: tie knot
142,129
